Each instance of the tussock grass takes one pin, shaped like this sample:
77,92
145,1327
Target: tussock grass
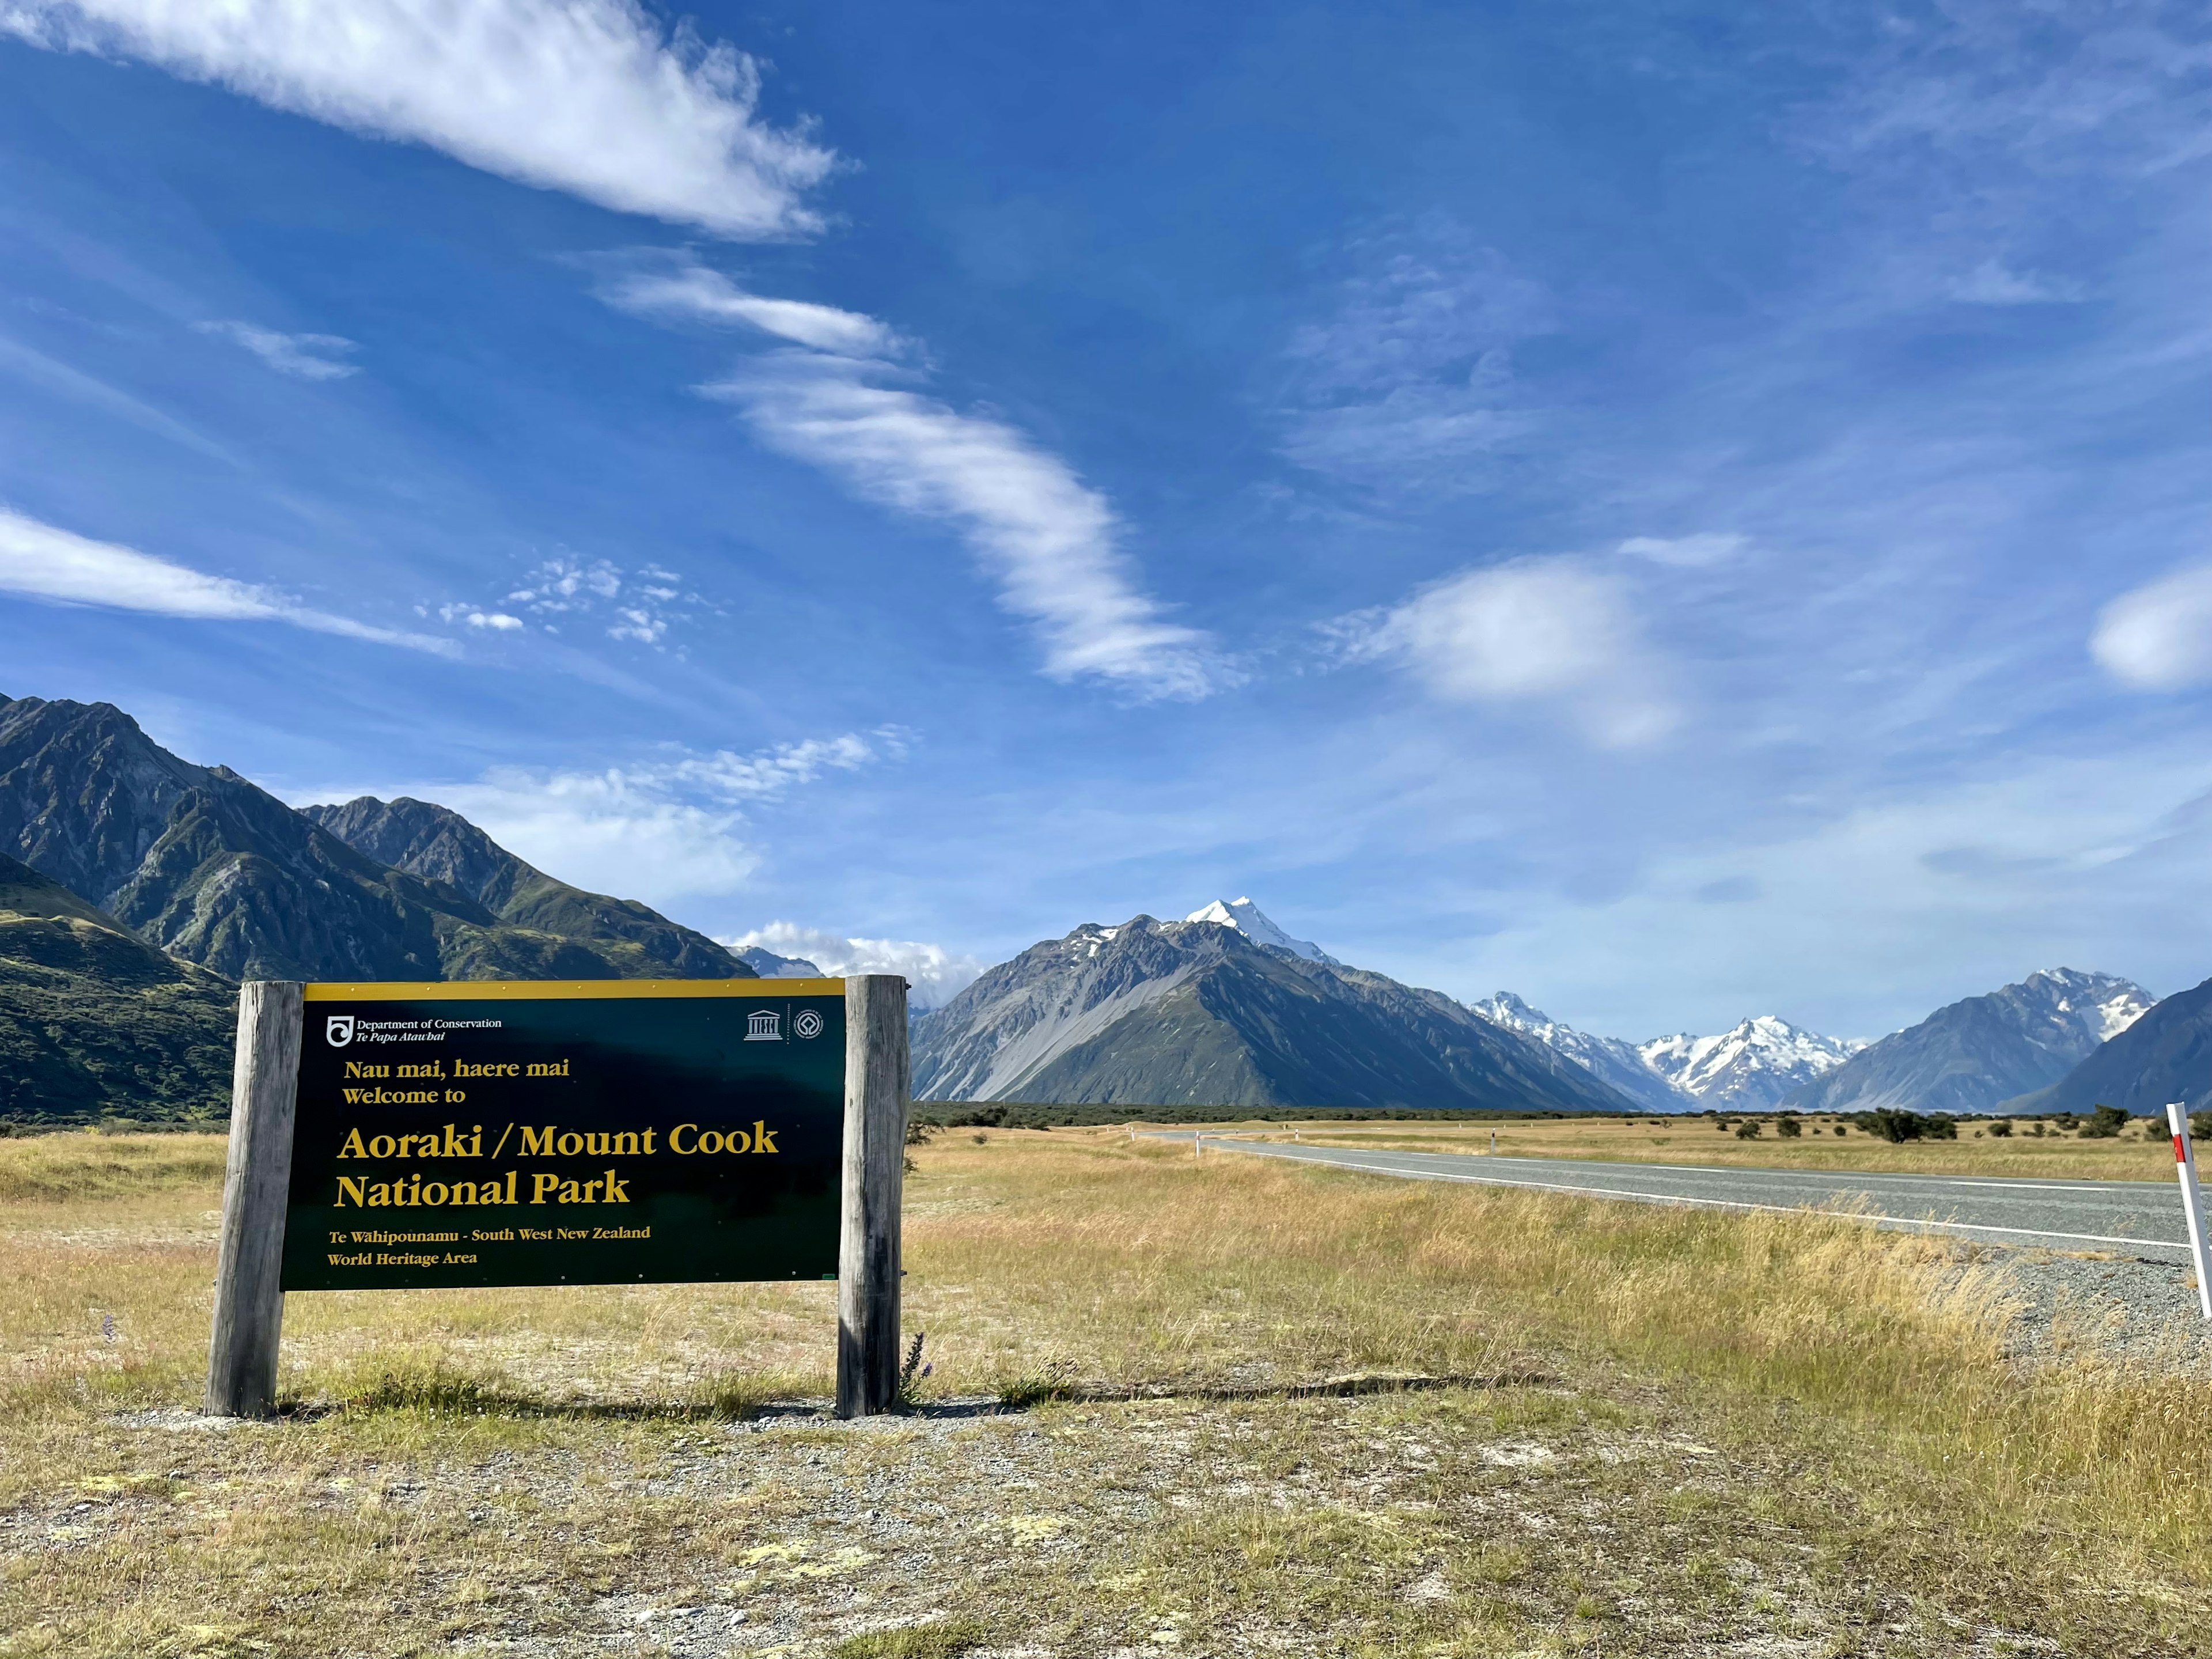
2130,1157
1775,1428
1148,1265
60,1168
940,1638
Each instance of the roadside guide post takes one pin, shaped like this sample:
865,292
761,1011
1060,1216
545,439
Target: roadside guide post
409,1136
2192,1202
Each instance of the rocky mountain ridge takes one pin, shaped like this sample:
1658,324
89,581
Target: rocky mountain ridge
1154,1013
1749,1067
1612,1060
1979,1052
204,864
2163,1054
1746,1068
438,844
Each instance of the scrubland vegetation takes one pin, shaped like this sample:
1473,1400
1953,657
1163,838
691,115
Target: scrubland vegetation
1262,1408
2042,1147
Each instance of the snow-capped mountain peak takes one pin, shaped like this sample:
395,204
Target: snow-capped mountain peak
1616,1062
1746,1069
1247,918
2104,1003
1752,1065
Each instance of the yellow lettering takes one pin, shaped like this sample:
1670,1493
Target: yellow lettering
352,1147
542,1184
537,1143
348,1188
682,1151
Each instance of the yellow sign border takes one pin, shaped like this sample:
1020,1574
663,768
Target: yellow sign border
565,990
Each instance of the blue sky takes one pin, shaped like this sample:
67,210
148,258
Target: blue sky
1676,511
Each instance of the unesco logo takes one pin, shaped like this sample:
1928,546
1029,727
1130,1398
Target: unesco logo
807,1023
337,1030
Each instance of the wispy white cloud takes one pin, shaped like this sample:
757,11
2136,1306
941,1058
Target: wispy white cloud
303,357
665,829
1553,631
62,380
1051,542
1993,282
2158,637
1696,552
44,563
689,292
936,974
592,97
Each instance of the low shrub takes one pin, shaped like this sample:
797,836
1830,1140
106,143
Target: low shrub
2105,1123
1896,1126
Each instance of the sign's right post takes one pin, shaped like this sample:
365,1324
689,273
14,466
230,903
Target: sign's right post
877,1081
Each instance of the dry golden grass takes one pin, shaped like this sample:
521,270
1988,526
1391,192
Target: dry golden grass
1680,1432
2133,1156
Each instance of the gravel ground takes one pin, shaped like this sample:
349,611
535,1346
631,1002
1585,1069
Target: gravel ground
2123,1306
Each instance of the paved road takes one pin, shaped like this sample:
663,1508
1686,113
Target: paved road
2138,1218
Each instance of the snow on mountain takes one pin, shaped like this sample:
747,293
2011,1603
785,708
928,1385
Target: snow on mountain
1749,1068
2105,1003
1213,1012
1613,1061
1246,919
1746,1069
1981,1053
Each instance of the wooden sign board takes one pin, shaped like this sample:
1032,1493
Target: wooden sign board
590,1133
604,1131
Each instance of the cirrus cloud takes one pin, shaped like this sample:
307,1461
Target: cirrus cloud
41,561
1050,540
591,97
302,356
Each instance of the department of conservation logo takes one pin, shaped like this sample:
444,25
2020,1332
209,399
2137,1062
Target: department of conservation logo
338,1029
807,1023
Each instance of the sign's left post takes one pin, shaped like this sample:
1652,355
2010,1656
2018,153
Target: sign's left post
249,1297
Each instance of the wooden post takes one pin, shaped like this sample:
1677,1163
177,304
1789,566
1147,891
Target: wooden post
876,1079
249,1300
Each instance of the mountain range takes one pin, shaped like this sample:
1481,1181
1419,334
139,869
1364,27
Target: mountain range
1209,1011
1975,1054
1744,1069
200,863
135,887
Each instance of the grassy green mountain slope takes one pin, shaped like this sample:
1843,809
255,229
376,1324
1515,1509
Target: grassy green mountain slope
201,863
95,1023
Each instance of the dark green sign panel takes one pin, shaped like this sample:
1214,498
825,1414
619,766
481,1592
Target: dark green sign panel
592,1133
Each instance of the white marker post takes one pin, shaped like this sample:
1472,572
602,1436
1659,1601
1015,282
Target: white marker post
2192,1203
